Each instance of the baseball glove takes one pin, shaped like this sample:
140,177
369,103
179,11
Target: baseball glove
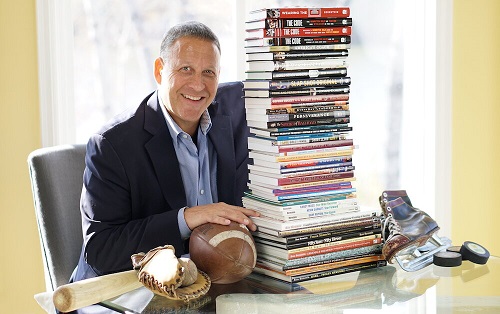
166,275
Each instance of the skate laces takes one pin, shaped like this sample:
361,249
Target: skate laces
391,224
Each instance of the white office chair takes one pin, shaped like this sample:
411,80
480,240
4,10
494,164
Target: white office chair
56,179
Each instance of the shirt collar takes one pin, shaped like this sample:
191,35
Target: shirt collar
205,121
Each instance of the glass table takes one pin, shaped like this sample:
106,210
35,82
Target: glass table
433,289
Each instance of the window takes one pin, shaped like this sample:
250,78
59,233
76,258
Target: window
101,62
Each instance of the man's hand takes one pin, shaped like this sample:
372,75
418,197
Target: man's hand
220,213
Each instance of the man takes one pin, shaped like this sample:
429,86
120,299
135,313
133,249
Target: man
176,162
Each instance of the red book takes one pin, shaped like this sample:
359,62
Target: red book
292,13
298,32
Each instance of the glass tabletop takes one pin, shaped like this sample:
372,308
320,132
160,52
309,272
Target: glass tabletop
433,289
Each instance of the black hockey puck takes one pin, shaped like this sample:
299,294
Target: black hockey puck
455,248
474,252
447,259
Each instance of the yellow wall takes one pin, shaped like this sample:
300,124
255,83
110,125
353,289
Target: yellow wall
20,258
476,128
476,123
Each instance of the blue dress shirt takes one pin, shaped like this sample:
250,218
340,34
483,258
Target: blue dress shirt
198,165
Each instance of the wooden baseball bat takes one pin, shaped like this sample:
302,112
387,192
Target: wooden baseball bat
76,295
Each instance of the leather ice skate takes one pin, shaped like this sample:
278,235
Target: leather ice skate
390,195
405,230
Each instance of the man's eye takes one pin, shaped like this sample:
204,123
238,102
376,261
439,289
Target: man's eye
185,68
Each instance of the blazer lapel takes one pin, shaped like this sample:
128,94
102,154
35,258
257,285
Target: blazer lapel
161,151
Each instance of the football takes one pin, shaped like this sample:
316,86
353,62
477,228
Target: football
225,253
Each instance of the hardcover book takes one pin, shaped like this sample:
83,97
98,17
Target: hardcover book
298,41
270,23
295,84
282,13
298,32
296,55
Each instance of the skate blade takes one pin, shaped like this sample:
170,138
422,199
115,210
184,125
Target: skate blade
415,258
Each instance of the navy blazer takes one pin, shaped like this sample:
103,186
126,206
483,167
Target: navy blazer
132,185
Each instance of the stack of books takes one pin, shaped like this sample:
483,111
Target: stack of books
301,173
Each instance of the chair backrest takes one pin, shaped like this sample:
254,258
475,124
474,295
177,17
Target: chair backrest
56,179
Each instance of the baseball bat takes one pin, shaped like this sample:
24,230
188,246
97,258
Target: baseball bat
76,295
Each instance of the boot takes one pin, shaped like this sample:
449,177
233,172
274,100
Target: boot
408,227
389,195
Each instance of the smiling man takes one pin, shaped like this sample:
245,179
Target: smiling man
175,162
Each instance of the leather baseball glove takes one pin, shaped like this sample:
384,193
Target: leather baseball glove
166,275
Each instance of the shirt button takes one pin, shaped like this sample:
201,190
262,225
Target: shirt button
202,192
184,136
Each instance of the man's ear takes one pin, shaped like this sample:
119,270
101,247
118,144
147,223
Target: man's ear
158,68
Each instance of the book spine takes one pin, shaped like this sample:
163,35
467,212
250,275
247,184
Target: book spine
333,238
299,41
326,227
314,222
279,85
299,32
323,177
313,73
308,115
338,271
335,248
334,244
309,98
333,265
306,109
304,12
332,129
285,23
307,122
301,47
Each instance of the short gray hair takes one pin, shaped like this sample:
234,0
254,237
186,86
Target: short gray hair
192,28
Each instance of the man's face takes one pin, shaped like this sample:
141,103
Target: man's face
188,80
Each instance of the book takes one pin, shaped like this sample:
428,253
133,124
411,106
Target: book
275,133
320,267
298,41
305,170
265,171
299,207
302,64
283,265
367,226
296,12
347,192
256,49
291,55
327,210
297,83
300,201
333,237
311,108
312,222
298,32
282,157
327,161
319,249
265,193
296,74
295,123
266,284
298,116
298,138
315,275
281,180
295,99
269,23
320,228
279,146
